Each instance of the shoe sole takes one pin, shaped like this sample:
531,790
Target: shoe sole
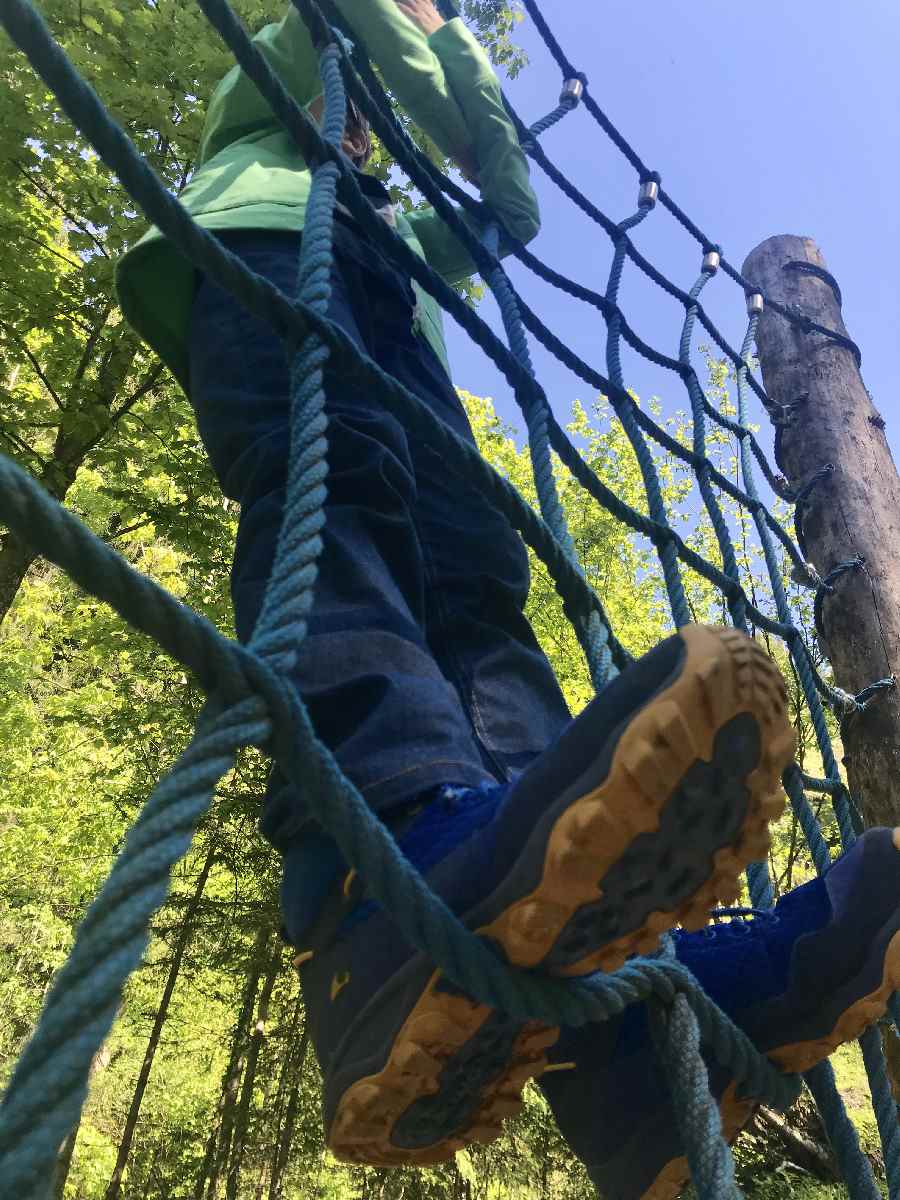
795,1058
723,675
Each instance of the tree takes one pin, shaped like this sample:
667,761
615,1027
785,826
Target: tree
114,1190
93,714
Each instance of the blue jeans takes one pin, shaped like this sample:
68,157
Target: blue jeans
419,667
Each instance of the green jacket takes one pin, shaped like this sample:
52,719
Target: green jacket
251,176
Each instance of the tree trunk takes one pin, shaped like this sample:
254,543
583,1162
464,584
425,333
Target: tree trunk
219,1142
63,1163
285,1074
260,1183
114,1188
242,1117
852,513
16,556
801,1149
283,1144
209,1152
100,1061
15,559
264,1107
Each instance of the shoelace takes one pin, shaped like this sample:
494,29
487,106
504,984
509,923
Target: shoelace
737,919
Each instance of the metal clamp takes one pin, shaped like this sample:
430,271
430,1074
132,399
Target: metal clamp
755,303
711,260
648,194
572,91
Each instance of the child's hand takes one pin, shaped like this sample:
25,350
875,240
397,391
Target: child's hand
422,13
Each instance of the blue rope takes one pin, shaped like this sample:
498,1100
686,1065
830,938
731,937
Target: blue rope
758,875
250,702
573,87
826,588
592,633
576,364
677,1037
885,1107
644,173
626,412
281,624
736,603
842,1134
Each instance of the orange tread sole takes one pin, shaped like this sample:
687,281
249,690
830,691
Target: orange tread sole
724,674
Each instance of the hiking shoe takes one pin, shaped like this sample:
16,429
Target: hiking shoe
641,815
800,980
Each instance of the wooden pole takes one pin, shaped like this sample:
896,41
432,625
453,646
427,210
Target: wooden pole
851,513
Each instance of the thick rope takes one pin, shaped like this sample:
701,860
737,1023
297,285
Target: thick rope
855,1168
644,174
677,1037
249,700
885,1106
592,633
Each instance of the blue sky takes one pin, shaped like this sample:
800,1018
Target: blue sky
761,119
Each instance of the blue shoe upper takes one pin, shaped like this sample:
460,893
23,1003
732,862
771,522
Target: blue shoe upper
450,819
313,865
362,974
783,976
740,962
444,824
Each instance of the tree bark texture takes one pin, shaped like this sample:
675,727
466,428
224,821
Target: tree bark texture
219,1144
286,1132
851,513
114,1188
242,1117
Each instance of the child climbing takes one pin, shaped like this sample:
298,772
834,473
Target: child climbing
568,844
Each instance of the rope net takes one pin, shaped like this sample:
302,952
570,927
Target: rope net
249,702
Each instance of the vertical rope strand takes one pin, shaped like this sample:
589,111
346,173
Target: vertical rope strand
593,634
250,703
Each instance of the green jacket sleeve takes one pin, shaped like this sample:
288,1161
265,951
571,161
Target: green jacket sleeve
502,166
411,68
446,85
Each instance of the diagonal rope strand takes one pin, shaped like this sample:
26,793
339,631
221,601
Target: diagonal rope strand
250,702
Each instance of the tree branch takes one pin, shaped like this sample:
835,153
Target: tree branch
802,1149
22,447
59,314
90,343
140,391
35,364
29,237
48,195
